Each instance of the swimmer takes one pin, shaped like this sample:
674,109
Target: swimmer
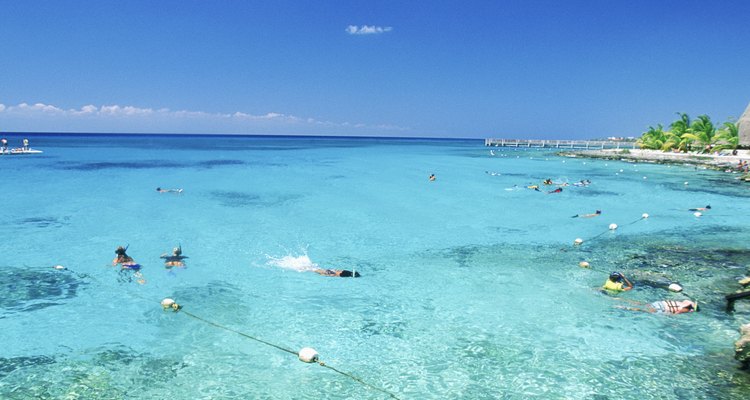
668,307
492,173
706,208
535,187
617,282
124,259
547,181
175,260
343,273
558,190
584,182
432,177
160,190
596,214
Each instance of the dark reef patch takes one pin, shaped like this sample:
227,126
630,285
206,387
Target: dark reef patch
24,290
229,198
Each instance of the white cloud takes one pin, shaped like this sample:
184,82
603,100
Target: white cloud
112,113
367,29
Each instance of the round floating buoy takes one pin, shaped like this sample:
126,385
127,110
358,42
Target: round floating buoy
169,303
584,264
612,227
644,216
578,241
59,267
697,214
620,170
675,287
645,177
308,355
686,183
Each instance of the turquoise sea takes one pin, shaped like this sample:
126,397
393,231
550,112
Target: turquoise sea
470,285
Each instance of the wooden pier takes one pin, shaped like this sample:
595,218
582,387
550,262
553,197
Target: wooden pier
561,144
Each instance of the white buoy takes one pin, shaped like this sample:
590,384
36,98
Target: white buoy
645,177
697,214
644,216
167,303
584,264
59,267
686,183
578,241
620,170
612,227
675,287
308,355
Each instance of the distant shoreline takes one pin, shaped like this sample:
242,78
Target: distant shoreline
714,161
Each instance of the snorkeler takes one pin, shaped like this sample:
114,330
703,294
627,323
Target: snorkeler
558,190
432,177
125,261
342,273
596,214
708,207
535,187
547,181
668,307
160,190
617,282
584,182
175,260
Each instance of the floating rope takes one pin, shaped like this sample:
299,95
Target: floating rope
579,242
321,363
168,304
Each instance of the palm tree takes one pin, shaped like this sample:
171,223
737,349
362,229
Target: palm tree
728,136
653,138
674,138
702,130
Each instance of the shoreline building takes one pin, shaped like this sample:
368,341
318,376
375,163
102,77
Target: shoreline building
744,127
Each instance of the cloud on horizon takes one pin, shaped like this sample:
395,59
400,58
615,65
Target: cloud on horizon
367,29
135,117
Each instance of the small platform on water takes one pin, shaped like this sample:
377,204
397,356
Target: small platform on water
561,144
19,151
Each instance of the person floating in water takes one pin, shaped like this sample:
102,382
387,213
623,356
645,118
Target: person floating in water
124,260
547,181
174,260
706,208
160,190
596,214
617,282
342,273
667,307
535,187
584,182
432,177
558,190
127,264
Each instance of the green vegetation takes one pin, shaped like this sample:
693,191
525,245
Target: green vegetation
685,135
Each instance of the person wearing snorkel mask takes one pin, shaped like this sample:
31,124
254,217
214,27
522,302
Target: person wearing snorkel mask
617,282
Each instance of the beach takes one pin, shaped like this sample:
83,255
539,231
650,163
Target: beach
715,161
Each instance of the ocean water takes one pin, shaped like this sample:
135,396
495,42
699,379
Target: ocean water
470,285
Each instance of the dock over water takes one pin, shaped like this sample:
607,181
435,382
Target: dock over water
561,144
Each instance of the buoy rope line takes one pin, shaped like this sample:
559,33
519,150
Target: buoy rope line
611,229
178,308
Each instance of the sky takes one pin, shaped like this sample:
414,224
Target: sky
467,69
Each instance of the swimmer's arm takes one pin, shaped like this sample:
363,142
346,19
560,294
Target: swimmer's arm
629,285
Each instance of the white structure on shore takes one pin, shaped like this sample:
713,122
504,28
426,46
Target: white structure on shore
744,127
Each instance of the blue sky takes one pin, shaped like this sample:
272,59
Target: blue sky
528,69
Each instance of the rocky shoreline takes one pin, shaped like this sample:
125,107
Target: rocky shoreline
728,163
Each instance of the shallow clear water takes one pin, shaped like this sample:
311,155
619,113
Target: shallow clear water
470,285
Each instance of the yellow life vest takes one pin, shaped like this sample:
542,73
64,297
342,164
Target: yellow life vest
610,285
